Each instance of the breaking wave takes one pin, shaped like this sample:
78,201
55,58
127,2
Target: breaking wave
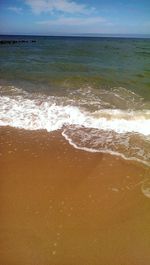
124,132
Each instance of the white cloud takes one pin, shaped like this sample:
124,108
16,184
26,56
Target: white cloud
15,9
73,21
75,25
68,16
66,6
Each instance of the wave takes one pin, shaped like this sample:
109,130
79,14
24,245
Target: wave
38,114
127,145
121,132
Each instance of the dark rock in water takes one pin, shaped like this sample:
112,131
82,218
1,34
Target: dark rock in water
16,41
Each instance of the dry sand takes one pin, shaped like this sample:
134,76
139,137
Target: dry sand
62,206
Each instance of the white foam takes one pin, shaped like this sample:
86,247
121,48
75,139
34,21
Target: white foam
107,142
103,130
33,114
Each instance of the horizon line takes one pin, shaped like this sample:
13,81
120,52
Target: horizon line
144,35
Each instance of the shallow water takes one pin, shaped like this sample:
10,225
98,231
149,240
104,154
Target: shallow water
95,89
74,62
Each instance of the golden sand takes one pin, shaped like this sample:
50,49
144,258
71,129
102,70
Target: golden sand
62,206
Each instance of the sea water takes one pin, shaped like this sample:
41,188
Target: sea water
96,90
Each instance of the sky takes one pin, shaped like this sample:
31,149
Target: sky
69,17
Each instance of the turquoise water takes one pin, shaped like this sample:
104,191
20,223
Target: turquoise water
95,90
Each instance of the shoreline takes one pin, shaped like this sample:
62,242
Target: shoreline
61,205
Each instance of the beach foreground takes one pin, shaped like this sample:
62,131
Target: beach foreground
64,206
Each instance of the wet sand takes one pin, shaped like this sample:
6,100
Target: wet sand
62,206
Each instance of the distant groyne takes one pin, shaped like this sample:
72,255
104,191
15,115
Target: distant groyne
3,42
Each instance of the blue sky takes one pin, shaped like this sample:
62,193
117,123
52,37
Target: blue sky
46,17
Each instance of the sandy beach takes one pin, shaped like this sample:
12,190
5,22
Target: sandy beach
63,206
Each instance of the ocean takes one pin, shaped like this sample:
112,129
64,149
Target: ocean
97,90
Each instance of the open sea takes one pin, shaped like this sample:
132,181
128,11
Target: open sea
95,90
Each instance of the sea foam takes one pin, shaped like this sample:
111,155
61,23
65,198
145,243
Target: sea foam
120,132
35,114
